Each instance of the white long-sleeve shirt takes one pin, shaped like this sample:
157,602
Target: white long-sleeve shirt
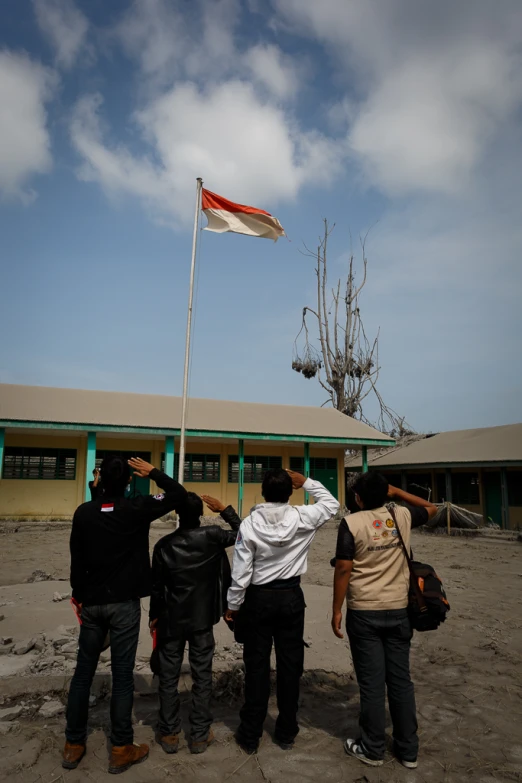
273,541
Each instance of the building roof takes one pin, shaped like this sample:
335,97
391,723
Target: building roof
487,444
38,404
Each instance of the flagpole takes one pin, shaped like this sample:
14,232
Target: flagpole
181,469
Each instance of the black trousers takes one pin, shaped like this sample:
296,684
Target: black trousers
272,616
123,622
380,644
201,652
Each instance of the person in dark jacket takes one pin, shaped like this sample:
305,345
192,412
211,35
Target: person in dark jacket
190,576
95,486
110,572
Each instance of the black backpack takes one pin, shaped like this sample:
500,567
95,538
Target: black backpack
427,602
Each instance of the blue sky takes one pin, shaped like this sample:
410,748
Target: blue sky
394,114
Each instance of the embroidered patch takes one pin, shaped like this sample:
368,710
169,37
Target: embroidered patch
390,523
107,507
385,534
159,497
239,537
394,532
377,524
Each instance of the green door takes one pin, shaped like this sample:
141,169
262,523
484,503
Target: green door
138,486
323,469
493,492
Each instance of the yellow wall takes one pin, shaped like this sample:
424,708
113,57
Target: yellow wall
40,499
34,498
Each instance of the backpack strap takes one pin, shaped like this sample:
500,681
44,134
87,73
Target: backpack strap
413,577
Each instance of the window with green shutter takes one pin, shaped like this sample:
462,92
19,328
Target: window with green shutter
198,467
255,468
21,462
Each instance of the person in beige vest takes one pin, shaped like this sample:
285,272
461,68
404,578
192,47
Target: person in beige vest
371,573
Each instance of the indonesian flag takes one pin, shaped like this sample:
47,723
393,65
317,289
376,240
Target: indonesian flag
224,215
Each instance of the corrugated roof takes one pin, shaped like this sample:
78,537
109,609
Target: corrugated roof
76,406
487,444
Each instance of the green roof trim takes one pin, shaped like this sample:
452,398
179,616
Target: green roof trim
46,425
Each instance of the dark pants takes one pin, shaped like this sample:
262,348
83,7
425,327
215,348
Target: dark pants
272,616
123,622
201,652
380,645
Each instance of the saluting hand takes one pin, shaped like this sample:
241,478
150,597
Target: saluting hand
140,467
213,503
297,479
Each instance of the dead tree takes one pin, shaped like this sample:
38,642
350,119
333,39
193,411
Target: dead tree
347,364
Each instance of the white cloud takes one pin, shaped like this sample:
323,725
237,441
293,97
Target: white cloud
434,84
65,26
272,69
25,148
243,147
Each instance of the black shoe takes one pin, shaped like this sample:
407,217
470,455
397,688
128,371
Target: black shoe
284,745
246,746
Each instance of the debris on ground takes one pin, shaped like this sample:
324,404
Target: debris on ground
21,648
51,709
61,597
40,576
10,713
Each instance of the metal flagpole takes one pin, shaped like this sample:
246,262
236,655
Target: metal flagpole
181,469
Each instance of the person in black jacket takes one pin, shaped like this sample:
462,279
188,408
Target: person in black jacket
110,572
190,577
95,485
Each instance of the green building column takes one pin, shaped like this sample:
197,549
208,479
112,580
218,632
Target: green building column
306,469
169,455
90,462
2,445
365,459
241,477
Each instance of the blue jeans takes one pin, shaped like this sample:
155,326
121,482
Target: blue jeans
123,622
380,644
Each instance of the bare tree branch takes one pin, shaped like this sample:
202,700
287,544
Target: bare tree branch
349,359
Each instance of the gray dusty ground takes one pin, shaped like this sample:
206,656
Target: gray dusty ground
468,679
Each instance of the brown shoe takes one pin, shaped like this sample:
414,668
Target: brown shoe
169,743
124,756
72,755
200,746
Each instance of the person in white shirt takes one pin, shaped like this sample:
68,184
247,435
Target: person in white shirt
266,602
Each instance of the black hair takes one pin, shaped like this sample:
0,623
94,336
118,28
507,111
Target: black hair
94,471
191,511
277,486
372,489
114,474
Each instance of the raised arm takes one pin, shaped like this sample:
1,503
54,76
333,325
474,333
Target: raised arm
228,513
155,506
394,493
325,506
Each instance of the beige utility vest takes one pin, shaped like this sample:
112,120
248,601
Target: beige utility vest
380,576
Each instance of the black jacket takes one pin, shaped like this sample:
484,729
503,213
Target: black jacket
110,560
190,577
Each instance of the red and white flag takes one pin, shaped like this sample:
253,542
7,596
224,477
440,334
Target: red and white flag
224,215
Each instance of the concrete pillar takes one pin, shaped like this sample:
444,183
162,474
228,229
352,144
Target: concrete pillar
90,462
306,469
505,499
241,477
169,455
364,452
449,491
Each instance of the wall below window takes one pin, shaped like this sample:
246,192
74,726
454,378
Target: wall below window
52,499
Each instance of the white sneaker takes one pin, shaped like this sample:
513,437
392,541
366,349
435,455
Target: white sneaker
409,764
354,748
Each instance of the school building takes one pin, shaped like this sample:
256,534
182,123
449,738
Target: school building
51,440
480,470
